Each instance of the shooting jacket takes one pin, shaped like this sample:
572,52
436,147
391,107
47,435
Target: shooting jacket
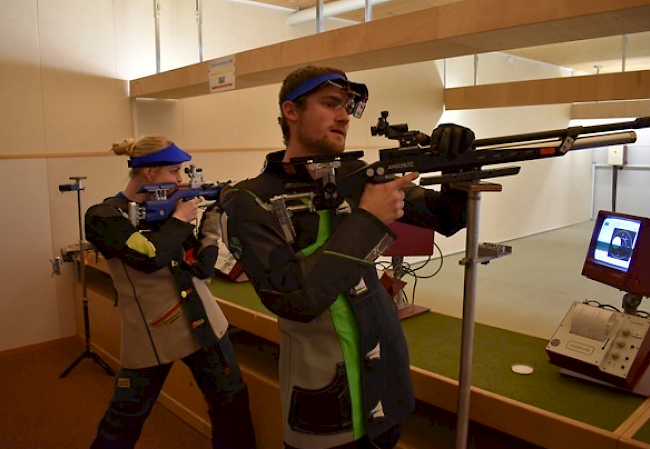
167,310
344,364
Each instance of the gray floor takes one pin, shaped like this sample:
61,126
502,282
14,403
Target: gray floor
529,291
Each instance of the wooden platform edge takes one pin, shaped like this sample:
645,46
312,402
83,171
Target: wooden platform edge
632,425
523,421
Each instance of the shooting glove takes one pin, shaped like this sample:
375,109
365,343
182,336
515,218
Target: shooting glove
210,227
452,140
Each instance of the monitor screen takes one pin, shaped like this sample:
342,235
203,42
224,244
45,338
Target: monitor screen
615,242
619,252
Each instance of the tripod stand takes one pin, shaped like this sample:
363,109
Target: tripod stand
88,352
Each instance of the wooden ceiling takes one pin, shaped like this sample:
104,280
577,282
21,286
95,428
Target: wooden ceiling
603,55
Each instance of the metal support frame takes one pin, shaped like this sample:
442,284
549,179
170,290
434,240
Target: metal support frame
471,261
368,11
199,26
320,16
156,18
615,170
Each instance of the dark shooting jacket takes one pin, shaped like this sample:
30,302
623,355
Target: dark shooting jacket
344,364
167,310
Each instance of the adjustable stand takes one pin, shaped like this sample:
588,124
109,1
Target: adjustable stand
87,353
472,258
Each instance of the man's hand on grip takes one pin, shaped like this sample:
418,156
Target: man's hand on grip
386,200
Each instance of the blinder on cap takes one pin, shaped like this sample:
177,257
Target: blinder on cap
358,92
168,156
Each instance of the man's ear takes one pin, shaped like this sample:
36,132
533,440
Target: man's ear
290,111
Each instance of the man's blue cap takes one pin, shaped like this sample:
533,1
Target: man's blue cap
169,156
359,90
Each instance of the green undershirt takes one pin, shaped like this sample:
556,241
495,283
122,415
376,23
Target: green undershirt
347,331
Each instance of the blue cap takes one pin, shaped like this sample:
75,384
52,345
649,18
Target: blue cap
169,156
359,91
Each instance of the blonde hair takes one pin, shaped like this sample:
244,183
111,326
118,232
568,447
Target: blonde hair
141,147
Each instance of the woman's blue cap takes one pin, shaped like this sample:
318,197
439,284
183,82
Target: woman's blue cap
169,156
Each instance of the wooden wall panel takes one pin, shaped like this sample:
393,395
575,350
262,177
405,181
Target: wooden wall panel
610,109
612,86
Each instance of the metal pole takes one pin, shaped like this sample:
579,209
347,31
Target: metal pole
156,16
614,186
199,26
320,16
82,272
469,300
368,17
444,76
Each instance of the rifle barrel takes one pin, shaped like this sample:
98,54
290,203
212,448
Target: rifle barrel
643,122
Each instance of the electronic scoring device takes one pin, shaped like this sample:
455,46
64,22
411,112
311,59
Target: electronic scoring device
603,344
619,252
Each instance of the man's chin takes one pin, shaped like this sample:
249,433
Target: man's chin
324,147
337,146
329,149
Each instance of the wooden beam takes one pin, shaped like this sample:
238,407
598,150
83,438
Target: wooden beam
611,86
455,29
611,109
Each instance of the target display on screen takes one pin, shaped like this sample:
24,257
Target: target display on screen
616,241
619,252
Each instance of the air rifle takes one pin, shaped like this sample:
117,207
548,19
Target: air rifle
418,155
164,196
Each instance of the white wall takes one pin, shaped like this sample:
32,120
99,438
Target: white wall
633,181
496,67
545,194
59,94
